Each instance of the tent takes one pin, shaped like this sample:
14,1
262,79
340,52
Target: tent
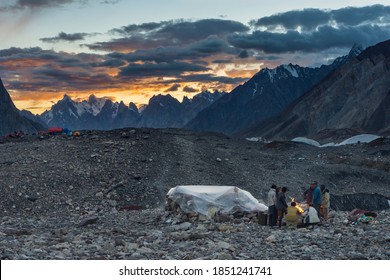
55,130
209,200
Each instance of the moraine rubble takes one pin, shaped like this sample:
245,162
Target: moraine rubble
148,235
102,196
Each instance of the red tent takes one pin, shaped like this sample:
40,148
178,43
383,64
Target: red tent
54,130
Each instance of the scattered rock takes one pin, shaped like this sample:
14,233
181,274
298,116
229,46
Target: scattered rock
88,221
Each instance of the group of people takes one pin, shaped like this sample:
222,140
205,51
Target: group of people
317,208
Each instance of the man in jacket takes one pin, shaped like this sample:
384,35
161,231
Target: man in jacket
317,197
272,212
281,204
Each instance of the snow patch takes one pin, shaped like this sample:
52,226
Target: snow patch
292,70
49,116
255,89
306,141
271,74
80,107
258,139
362,138
115,107
72,114
93,106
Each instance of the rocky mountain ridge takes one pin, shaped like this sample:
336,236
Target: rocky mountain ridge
162,111
10,118
265,95
354,97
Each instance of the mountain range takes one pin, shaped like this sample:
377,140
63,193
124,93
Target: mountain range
103,114
353,99
265,95
350,95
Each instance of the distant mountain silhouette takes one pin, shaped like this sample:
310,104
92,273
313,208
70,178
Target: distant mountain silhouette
94,113
165,111
162,111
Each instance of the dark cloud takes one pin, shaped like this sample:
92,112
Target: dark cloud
56,80
71,79
169,33
194,52
186,31
354,16
134,29
16,5
19,52
269,57
210,78
311,19
36,4
159,55
223,61
163,69
189,89
38,56
65,37
308,30
212,45
243,54
308,19
323,38
174,87
46,69
128,44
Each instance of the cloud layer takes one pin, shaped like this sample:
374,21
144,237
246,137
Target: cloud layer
18,5
62,36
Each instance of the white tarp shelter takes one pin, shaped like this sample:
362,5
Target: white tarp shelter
208,200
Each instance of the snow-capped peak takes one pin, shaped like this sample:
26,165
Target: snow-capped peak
93,106
291,69
356,50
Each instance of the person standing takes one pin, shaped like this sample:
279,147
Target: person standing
325,204
317,197
281,205
272,212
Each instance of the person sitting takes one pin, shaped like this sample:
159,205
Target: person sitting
292,215
310,216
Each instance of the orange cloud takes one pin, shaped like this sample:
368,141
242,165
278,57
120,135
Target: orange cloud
241,73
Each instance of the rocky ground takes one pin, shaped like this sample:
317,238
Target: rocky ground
102,195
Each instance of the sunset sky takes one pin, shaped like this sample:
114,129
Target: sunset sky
131,50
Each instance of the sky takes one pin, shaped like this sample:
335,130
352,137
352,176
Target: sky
132,50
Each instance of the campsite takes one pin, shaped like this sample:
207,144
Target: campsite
102,195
